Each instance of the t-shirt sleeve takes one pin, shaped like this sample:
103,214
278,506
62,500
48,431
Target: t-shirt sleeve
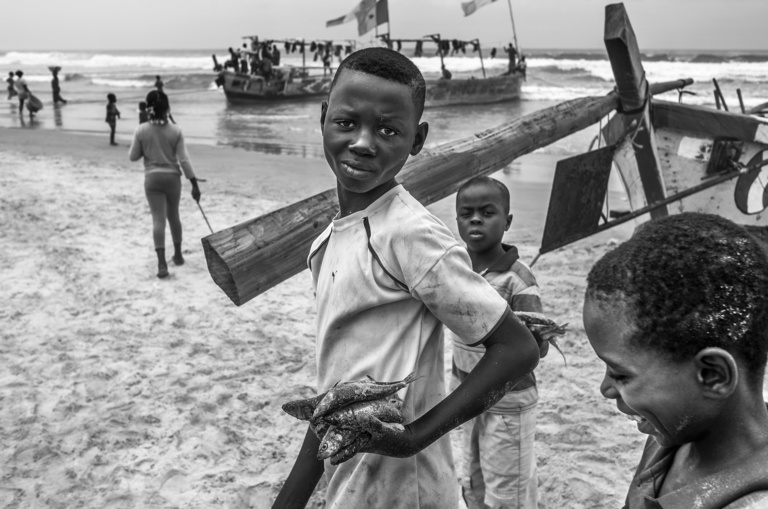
461,299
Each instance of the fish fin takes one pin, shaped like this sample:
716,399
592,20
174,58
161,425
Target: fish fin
557,347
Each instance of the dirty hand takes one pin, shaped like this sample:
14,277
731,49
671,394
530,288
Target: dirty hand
379,437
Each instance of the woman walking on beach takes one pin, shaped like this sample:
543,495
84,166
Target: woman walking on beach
165,158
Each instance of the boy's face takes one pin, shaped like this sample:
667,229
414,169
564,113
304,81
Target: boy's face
481,217
661,396
370,128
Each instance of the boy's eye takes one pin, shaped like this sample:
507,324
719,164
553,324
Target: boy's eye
617,377
344,123
387,131
488,212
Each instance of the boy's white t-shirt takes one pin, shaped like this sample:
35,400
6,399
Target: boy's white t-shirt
385,279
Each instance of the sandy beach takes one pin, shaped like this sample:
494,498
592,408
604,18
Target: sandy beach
119,390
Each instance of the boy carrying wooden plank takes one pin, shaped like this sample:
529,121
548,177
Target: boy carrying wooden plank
388,275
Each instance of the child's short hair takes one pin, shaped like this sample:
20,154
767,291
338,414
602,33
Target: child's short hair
111,97
389,65
142,105
691,281
488,182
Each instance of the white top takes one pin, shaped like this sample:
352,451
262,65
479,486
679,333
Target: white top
381,298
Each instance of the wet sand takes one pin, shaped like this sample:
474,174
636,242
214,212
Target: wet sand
119,390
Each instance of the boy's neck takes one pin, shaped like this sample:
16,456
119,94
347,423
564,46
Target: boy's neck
483,260
350,202
736,436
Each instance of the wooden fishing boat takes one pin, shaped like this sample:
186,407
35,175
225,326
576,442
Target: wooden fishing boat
671,157
281,82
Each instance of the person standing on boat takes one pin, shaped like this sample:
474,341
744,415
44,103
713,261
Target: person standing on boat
522,67
275,55
512,52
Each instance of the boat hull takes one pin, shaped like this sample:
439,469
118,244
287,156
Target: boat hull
242,88
473,90
685,139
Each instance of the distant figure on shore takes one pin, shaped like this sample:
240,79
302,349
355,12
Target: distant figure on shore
493,52
446,73
21,90
112,115
11,86
159,83
165,158
512,52
143,114
55,86
275,55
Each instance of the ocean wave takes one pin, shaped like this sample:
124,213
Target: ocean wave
105,60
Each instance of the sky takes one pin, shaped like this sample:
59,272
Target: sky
204,24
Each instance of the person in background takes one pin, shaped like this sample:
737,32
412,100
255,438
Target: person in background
498,444
522,66
275,55
112,115
143,114
11,86
511,51
21,90
165,158
55,86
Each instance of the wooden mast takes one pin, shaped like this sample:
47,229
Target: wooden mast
635,99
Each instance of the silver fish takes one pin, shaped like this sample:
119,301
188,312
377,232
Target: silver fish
345,393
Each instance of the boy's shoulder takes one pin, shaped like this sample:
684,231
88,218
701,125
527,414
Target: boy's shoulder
511,264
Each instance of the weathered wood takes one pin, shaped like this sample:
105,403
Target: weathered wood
634,94
249,258
716,123
625,57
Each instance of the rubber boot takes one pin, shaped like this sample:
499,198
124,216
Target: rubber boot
162,267
178,259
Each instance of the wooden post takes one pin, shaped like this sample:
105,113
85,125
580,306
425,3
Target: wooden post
480,50
741,100
634,96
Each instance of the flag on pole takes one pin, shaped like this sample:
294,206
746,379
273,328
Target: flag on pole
471,7
368,13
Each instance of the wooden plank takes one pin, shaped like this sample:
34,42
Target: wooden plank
714,123
634,95
247,259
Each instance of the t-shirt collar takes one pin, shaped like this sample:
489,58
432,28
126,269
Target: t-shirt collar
504,262
357,217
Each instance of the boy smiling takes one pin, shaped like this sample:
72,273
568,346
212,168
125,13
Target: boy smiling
679,315
387,274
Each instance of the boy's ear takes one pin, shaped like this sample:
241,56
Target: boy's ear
323,111
509,222
421,136
716,372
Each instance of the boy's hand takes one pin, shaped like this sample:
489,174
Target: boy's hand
387,439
